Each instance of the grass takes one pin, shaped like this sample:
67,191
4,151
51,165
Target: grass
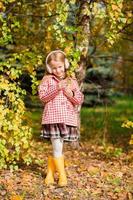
100,123
105,122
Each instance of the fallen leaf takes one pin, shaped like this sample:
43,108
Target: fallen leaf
16,197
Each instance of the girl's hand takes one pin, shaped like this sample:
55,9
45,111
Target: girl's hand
62,84
68,92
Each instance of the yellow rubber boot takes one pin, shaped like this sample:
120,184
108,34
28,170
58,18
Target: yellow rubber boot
50,171
59,164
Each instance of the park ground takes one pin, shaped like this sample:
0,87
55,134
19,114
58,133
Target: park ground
92,175
96,170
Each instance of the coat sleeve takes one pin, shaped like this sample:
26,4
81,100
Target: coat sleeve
78,97
47,90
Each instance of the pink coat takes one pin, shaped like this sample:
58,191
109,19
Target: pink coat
58,108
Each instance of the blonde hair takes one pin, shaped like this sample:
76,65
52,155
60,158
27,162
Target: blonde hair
56,56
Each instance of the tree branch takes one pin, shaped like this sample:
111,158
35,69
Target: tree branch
126,26
29,15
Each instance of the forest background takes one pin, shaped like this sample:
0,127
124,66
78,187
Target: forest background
97,39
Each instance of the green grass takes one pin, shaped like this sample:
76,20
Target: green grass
99,123
105,122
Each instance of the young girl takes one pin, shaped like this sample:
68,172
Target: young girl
61,96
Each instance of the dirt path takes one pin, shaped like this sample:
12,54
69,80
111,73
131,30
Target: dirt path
91,176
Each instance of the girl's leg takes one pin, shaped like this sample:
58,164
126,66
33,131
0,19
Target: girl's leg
59,160
57,153
57,145
50,171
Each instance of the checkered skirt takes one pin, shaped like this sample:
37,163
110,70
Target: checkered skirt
60,130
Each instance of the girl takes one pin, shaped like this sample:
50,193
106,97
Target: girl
61,96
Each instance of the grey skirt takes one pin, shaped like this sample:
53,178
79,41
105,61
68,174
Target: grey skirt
60,130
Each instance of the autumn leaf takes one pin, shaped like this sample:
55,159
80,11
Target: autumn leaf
16,197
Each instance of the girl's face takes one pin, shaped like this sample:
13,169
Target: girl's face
58,68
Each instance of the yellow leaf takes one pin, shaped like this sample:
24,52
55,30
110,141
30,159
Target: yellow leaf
131,141
2,7
114,7
67,49
16,197
93,170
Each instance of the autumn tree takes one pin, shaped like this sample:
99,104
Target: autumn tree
15,130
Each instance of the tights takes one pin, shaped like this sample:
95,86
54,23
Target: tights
57,145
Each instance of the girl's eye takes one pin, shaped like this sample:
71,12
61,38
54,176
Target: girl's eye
54,68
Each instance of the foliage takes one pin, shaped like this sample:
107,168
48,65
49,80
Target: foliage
118,18
129,124
50,25
15,130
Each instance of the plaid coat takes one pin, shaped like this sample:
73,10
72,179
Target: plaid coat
59,108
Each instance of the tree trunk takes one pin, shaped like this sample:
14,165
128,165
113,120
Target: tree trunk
82,43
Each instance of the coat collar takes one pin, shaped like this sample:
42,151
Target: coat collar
57,79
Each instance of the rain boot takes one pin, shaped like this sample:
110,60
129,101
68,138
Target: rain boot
50,171
59,164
